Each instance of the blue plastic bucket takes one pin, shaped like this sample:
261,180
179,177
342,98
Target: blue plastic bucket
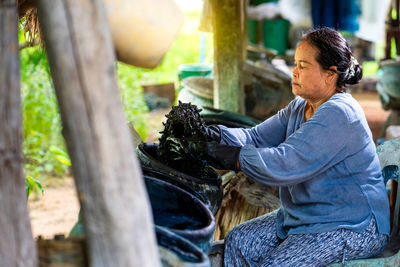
176,251
181,212
210,185
170,179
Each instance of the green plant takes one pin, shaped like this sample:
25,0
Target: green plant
40,116
370,68
132,97
32,184
41,120
60,155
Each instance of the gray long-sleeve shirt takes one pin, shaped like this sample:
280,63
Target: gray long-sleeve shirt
327,168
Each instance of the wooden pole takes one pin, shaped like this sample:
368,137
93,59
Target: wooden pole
17,247
229,27
116,210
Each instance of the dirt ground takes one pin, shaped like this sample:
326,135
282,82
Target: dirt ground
57,210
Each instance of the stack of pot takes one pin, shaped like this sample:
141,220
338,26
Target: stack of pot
185,193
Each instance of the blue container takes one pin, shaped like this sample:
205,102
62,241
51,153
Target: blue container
181,213
176,251
170,179
389,84
210,184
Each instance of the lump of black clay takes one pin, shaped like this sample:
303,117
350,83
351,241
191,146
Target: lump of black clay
183,122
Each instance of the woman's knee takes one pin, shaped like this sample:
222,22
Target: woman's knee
368,247
380,244
252,230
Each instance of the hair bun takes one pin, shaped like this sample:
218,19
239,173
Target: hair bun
355,74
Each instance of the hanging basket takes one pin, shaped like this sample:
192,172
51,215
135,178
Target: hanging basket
143,31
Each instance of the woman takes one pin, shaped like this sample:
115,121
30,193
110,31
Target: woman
319,151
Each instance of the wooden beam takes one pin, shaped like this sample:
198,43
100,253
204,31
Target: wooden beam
17,247
116,211
230,41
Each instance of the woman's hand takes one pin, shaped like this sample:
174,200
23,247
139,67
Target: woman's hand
213,133
220,156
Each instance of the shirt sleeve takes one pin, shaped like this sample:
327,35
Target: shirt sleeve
317,145
269,133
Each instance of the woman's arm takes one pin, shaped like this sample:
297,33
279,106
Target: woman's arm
269,133
317,145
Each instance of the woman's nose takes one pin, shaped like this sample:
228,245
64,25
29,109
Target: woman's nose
295,72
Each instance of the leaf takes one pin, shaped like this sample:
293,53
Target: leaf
58,151
63,160
32,183
61,155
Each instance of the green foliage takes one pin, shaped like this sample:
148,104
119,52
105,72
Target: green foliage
132,97
40,116
393,51
31,184
370,68
61,155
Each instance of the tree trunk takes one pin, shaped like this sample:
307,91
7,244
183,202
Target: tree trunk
230,41
243,200
17,247
115,207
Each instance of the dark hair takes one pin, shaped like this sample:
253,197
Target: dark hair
334,51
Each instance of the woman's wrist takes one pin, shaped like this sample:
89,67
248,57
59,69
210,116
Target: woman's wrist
238,165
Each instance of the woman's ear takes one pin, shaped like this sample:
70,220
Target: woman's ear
332,75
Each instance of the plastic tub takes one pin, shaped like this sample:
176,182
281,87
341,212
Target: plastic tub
276,33
211,186
181,212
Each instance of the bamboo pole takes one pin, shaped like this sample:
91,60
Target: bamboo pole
17,247
229,28
116,211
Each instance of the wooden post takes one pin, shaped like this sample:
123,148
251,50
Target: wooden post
115,207
229,27
17,247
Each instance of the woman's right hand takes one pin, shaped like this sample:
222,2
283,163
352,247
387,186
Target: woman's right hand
213,133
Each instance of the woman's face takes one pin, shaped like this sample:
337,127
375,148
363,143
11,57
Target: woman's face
310,81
